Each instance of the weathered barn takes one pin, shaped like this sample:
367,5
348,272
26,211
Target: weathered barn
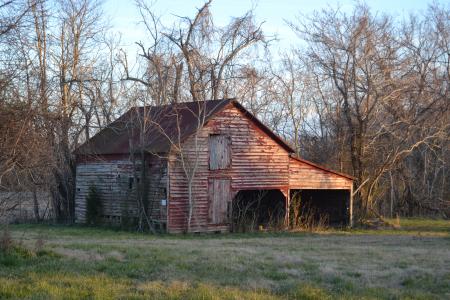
194,162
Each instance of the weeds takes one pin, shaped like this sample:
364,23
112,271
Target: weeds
14,253
6,241
309,219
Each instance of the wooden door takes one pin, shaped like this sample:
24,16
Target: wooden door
219,200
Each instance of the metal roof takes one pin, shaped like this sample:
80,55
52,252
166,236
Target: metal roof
161,127
158,126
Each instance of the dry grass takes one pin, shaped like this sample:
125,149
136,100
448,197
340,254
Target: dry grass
411,262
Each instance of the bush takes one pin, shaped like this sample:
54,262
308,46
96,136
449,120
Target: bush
93,207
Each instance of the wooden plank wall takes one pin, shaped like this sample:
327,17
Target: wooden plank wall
305,176
220,197
257,162
220,152
112,181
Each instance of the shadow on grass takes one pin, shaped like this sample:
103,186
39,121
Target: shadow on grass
411,226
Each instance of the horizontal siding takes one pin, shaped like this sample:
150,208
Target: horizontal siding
257,162
111,178
305,176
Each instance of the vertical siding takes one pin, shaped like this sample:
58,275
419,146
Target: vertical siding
220,200
220,152
257,162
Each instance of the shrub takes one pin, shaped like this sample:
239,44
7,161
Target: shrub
93,206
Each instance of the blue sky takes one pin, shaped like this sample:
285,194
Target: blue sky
124,16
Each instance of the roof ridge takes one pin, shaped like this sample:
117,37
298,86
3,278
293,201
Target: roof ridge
188,102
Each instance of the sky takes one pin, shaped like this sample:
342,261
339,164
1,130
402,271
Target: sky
124,16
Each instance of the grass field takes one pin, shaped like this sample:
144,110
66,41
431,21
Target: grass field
412,262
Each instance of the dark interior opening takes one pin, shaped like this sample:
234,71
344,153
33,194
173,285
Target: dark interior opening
328,206
253,209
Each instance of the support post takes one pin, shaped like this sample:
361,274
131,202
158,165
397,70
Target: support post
351,207
288,202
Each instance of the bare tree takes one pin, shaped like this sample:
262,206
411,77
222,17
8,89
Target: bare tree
385,104
193,56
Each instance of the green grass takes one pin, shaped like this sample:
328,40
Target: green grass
412,226
411,262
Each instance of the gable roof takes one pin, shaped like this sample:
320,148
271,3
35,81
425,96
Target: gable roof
164,125
168,124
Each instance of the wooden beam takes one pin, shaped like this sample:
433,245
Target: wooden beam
288,204
351,207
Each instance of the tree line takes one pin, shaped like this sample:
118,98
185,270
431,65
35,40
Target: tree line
361,92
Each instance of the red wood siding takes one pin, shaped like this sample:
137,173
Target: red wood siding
257,162
305,176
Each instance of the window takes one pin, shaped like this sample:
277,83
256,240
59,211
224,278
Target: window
219,152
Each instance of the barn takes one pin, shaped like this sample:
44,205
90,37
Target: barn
200,167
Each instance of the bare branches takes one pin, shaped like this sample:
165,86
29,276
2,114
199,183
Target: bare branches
194,55
364,93
385,85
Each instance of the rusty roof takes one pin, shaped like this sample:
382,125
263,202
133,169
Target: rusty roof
159,127
168,125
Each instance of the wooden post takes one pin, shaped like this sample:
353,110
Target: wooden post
351,207
288,201
168,194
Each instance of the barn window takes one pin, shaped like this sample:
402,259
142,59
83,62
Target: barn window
219,152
